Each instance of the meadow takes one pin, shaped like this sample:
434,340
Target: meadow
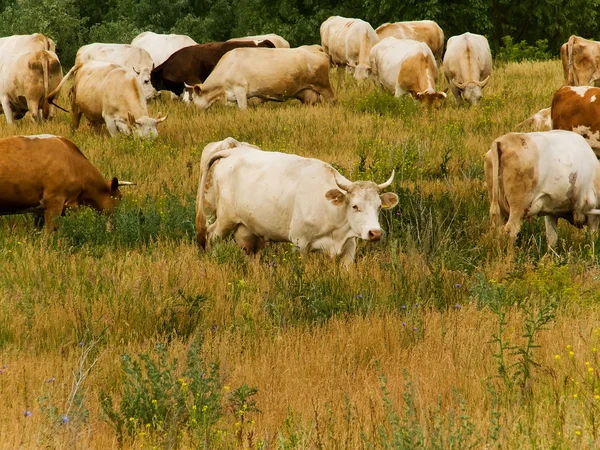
119,332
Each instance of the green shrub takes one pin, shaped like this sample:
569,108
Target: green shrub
522,51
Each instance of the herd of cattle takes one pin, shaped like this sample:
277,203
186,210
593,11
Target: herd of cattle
261,196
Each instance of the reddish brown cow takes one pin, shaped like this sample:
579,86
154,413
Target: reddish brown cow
192,65
577,108
46,174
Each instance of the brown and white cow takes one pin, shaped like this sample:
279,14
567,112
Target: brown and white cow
348,42
193,64
47,174
26,81
467,66
111,94
161,46
540,121
277,40
404,66
553,174
283,73
130,56
264,196
577,108
420,30
581,61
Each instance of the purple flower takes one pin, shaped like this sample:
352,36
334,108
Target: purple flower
5,367
27,413
457,306
457,285
359,296
398,213
403,307
65,419
50,380
214,327
415,329
81,344
403,324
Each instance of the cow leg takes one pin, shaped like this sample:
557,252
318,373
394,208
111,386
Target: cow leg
111,125
248,241
53,207
240,97
515,220
347,253
34,109
551,230
456,92
75,116
7,109
219,229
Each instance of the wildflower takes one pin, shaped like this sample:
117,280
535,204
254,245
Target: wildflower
226,388
578,433
415,329
81,344
27,413
50,380
214,327
590,369
571,353
597,397
594,349
457,285
5,367
569,347
403,307
587,363
557,357
575,396
205,408
65,419
457,306
359,296
403,324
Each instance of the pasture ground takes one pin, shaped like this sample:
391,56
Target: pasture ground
441,336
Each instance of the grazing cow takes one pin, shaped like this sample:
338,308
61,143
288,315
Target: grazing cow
109,93
125,55
348,42
553,174
467,66
420,30
577,108
270,196
581,61
540,121
277,40
193,65
26,80
283,73
161,46
46,174
404,66
22,43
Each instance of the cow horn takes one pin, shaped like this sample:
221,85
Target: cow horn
460,86
387,184
162,119
137,72
126,183
188,86
342,182
484,82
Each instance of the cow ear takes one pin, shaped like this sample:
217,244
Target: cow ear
197,89
114,184
388,200
130,118
336,197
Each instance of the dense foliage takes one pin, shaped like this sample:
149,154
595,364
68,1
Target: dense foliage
72,23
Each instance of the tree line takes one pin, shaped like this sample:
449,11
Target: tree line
73,23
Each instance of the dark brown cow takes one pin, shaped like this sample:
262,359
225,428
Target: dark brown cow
577,108
192,65
46,174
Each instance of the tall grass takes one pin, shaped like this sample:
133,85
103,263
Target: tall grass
441,336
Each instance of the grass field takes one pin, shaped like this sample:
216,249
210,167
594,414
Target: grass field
441,336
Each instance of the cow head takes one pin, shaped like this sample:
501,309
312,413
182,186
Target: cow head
362,202
106,199
203,99
144,77
144,127
362,71
431,98
471,91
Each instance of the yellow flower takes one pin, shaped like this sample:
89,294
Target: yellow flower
578,433
571,353
204,408
594,349
569,347
597,397
226,388
557,357
574,395
590,369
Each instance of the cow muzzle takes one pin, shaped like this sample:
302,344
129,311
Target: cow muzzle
375,235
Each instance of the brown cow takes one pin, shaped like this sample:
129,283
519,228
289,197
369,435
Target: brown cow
192,65
577,108
46,174
581,61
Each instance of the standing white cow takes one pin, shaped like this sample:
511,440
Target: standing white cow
348,43
270,196
26,81
21,43
467,66
277,40
404,66
161,46
553,174
109,93
135,58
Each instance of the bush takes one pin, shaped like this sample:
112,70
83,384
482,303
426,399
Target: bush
511,52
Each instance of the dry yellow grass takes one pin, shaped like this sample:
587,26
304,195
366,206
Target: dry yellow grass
417,303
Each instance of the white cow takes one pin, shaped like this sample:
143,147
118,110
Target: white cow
270,196
467,66
132,57
161,46
21,43
348,43
553,174
109,93
26,81
405,66
540,121
420,30
277,40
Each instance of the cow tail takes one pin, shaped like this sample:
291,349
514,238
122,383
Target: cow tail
365,50
45,106
56,90
570,72
495,156
201,222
